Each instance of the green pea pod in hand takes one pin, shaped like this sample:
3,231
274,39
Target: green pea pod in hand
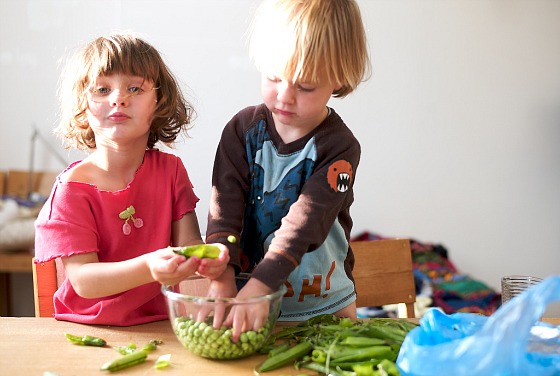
86,340
199,250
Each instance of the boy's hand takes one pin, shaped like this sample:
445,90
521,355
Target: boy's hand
250,316
221,287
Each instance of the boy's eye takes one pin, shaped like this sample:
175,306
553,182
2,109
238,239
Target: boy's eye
305,88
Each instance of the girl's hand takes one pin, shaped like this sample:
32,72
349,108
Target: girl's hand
168,268
214,268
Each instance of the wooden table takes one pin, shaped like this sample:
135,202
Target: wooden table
31,346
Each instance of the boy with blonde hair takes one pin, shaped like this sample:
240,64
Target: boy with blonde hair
284,170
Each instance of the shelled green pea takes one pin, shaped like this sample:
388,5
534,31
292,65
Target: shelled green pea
203,340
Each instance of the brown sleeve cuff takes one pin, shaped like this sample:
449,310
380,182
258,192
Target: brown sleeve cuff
274,269
234,252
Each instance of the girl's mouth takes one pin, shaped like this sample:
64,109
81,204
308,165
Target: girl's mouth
119,116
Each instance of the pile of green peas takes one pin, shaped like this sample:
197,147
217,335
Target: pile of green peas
203,340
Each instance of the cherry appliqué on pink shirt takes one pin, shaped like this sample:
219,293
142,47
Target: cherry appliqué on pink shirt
128,215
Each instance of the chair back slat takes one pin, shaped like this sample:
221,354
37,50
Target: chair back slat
383,273
44,286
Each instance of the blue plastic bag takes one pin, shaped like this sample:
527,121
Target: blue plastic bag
510,342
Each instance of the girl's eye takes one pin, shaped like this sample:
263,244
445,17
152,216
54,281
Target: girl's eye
101,91
135,90
273,78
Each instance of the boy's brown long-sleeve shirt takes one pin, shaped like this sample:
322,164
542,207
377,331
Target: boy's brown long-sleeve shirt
289,206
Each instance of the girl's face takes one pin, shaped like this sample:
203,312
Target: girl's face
296,107
120,109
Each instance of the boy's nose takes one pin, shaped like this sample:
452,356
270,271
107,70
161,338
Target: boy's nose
285,92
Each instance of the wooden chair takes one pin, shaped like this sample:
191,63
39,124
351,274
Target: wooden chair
47,277
19,184
383,273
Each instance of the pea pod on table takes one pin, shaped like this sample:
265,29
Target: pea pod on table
289,356
152,345
86,340
123,350
125,361
340,347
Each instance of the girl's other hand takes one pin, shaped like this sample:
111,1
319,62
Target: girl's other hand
214,268
168,268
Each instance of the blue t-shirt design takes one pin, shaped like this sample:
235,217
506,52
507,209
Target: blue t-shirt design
277,181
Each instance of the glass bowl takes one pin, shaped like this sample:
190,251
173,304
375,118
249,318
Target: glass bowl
192,314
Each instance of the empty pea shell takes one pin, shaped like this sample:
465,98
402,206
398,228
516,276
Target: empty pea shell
199,250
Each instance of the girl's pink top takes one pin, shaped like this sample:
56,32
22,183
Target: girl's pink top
79,218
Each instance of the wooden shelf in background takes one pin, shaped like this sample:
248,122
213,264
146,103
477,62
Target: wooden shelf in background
14,262
11,262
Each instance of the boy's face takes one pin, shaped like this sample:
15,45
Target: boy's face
298,107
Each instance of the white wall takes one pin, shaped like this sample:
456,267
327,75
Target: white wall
459,123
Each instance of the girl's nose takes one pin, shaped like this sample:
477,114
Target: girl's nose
285,92
116,99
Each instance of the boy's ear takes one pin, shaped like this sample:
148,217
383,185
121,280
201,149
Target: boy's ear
337,88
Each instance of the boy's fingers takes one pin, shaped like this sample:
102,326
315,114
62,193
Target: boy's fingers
219,313
239,319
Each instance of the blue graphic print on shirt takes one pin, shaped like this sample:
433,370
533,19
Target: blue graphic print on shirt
277,181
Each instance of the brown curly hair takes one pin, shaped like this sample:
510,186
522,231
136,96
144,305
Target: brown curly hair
120,53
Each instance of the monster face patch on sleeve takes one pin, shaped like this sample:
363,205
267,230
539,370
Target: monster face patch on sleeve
339,175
